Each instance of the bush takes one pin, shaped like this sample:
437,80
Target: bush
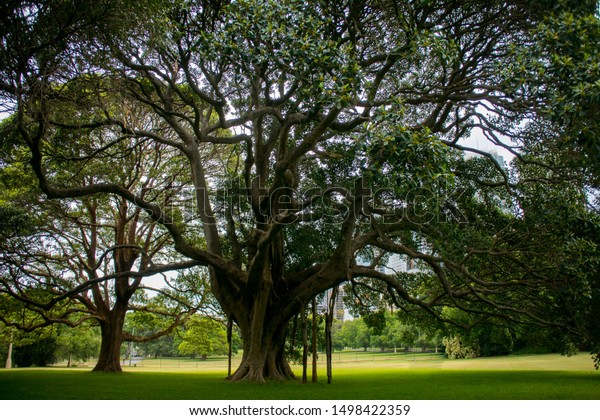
455,349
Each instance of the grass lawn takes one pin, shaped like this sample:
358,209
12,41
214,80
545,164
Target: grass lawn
403,378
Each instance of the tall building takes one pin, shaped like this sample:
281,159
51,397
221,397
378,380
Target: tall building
398,264
498,158
339,312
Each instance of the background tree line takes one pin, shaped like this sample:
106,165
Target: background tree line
203,336
199,337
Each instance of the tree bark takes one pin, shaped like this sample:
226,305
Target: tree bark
304,346
229,350
263,331
294,332
315,354
8,364
263,303
328,327
111,329
264,356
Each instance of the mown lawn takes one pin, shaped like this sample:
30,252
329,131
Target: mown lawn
527,377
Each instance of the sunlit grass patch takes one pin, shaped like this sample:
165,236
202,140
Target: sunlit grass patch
519,377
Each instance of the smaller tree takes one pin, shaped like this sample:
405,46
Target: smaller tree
355,334
203,336
401,335
75,344
165,346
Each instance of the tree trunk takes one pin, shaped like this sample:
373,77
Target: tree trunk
264,356
315,354
111,329
294,332
304,346
263,334
9,355
229,350
328,327
262,306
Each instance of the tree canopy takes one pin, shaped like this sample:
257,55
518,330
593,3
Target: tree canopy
314,143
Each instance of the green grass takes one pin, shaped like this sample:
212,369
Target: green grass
521,377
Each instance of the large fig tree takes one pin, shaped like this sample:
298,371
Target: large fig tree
338,133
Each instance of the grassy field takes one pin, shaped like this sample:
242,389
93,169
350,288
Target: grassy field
398,377
360,359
